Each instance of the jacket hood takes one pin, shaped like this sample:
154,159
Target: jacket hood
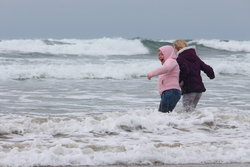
168,52
184,49
188,53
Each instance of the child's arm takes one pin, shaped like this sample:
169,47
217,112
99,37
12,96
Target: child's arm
208,70
165,68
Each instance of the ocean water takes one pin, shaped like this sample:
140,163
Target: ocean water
88,102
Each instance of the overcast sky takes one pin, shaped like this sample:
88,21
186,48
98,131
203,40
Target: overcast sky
155,19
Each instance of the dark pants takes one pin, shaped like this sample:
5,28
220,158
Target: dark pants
169,99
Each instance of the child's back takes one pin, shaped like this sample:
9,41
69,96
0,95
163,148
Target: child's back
190,67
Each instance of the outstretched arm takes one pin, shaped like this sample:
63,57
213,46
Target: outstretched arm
208,70
165,68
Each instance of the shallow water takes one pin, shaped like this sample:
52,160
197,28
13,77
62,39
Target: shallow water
86,108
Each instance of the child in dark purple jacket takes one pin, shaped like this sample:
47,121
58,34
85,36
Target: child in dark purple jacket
190,78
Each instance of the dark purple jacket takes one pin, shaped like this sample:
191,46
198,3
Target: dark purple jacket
190,70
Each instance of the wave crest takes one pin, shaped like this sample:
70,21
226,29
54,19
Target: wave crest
99,47
230,45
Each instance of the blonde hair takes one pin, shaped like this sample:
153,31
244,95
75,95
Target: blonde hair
179,44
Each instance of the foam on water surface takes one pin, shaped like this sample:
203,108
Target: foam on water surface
132,137
88,102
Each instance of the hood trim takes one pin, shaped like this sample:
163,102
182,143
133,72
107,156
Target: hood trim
183,49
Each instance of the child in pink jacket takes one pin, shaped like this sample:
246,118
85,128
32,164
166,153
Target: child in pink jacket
168,81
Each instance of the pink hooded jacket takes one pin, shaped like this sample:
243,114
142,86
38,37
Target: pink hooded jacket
168,72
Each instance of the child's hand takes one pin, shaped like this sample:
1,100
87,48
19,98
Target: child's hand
149,77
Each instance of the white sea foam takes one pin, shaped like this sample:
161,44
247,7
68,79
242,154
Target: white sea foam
236,64
231,45
102,46
228,45
66,70
133,137
106,46
131,68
